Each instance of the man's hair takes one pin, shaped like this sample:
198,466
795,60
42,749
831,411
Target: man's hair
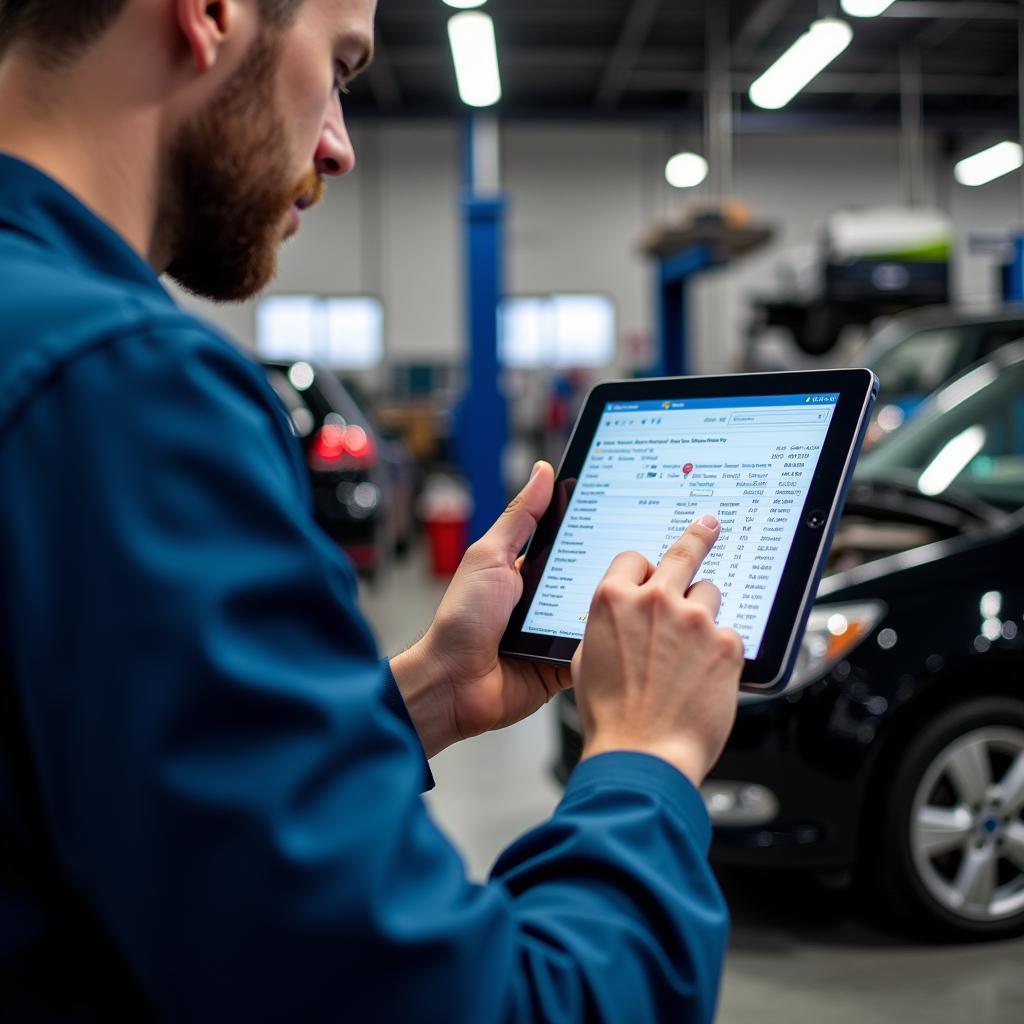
58,30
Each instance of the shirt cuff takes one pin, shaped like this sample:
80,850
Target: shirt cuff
626,769
395,703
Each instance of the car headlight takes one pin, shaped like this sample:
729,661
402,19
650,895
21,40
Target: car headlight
833,632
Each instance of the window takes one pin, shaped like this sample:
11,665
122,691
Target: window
339,333
560,331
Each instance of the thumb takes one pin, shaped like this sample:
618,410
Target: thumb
519,520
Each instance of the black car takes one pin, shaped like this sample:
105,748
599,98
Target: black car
896,755
351,482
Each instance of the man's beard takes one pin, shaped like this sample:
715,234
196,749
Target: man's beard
225,204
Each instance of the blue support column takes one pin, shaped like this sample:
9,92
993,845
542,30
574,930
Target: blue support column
1014,285
482,422
674,275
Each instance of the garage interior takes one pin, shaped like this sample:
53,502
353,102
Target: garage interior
484,266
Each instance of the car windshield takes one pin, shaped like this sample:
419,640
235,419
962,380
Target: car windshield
970,440
920,363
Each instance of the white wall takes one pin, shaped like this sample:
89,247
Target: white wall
580,199
581,196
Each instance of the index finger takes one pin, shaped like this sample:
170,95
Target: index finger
680,563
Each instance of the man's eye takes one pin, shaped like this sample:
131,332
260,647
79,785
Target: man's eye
340,78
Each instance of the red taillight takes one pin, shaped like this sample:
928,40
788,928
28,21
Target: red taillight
357,442
334,446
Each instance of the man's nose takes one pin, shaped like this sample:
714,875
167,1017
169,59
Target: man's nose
335,155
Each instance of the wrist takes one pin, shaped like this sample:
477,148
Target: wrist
427,692
685,757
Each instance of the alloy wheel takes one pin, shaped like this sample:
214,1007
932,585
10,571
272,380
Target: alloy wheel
967,825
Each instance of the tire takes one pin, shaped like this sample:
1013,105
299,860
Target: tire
948,856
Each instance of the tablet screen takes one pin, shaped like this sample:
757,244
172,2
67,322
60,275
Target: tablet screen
654,467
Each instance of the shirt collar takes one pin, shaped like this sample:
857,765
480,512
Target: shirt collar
33,204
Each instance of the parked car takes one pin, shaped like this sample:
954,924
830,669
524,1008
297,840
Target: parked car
915,353
896,755
401,470
352,492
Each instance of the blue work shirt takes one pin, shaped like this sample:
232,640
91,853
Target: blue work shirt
210,790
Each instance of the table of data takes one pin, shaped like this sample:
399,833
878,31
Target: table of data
647,477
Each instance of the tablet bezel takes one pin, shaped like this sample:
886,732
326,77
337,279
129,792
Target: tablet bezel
787,618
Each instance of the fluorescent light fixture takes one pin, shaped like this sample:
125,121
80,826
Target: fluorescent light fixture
855,8
951,461
475,53
465,5
686,170
803,61
989,164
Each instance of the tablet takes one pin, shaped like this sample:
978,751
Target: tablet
770,454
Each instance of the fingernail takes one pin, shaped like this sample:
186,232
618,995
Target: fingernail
536,470
709,521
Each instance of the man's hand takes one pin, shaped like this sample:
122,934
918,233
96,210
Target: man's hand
654,673
453,682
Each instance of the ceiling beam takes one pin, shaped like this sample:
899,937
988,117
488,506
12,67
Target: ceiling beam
761,122
851,83
554,60
965,9
924,41
550,59
635,30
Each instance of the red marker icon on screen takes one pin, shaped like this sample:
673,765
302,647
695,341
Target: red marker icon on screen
688,469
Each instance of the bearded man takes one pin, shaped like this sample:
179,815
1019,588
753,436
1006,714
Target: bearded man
210,784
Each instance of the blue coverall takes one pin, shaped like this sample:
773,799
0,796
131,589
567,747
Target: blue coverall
210,789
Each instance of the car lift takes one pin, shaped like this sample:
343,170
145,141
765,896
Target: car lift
481,422
681,254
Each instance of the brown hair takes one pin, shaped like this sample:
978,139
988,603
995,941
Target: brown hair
59,30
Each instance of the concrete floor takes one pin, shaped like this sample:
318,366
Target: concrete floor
798,953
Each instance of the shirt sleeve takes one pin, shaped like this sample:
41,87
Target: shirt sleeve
227,780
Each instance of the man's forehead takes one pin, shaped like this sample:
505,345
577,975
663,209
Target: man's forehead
345,12
346,21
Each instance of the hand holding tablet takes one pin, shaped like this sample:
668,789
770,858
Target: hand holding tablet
770,455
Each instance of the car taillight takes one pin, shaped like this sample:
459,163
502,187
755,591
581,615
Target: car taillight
339,447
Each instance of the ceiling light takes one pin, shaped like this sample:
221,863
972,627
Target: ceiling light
475,53
465,5
686,170
989,164
803,61
855,8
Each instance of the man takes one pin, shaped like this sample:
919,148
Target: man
209,783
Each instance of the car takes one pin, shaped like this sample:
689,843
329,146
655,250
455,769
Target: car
915,353
895,757
400,469
351,481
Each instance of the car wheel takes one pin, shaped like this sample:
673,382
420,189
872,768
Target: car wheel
949,857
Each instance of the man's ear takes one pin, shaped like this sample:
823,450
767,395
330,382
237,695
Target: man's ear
205,24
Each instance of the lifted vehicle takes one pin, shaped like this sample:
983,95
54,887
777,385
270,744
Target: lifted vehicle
896,754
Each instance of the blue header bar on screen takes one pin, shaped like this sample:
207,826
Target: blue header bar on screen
735,402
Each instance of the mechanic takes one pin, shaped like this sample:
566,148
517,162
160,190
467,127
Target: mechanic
210,784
